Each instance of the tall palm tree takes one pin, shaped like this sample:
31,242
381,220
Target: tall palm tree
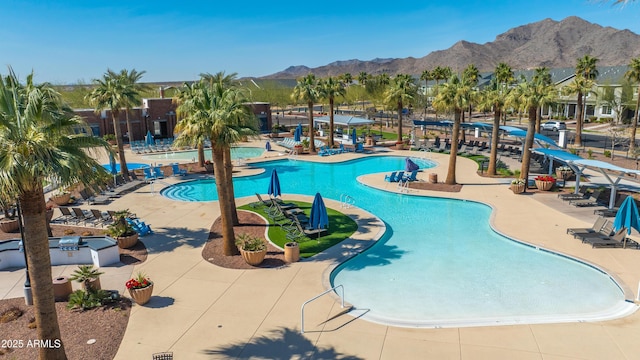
585,68
580,86
306,90
440,73
533,96
38,134
633,75
400,92
426,76
453,96
131,79
111,92
329,89
185,98
494,99
362,78
347,78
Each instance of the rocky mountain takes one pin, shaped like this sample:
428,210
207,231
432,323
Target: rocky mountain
550,43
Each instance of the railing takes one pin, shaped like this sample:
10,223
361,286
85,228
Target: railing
403,186
346,201
314,298
152,182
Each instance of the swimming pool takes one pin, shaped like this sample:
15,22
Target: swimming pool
440,263
238,152
130,166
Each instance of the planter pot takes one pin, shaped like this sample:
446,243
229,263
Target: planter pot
61,200
62,288
517,188
291,252
298,149
9,225
544,185
94,284
141,296
127,241
400,146
253,258
564,175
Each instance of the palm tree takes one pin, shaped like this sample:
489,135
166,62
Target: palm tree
362,78
426,76
111,92
131,80
440,73
495,100
633,75
38,134
533,95
307,90
454,96
585,68
329,89
541,76
400,92
185,98
347,78
580,86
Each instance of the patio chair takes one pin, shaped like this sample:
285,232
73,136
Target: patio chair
158,173
610,212
177,171
591,201
66,215
80,215
604,233
148,175
310,232
100,218
582,191
615,240
597,226
391,177
411,176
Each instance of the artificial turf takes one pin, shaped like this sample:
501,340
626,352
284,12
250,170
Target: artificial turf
340,227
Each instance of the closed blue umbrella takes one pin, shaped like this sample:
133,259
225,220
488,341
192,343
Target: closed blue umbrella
274,184
410,165
627,216
318,219
354,136
149,139
298,133
267,146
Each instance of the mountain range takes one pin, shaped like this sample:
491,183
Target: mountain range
550,43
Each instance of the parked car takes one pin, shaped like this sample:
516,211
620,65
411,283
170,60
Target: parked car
554,125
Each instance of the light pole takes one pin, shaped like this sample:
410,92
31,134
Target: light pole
28,295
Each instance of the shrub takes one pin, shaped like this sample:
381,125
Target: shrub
607,153
69,232
247,242
87,300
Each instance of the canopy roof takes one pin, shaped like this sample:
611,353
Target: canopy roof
557,154
344,120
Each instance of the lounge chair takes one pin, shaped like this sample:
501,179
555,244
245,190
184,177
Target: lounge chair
411,177
310,232
616,240
610,212
324,151
591,201
66,215
391,177
177,171
100,218
80,215
148,175
93,199
604,233
582,193
597,226
158,173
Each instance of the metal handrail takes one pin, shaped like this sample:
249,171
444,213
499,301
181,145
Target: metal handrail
316,297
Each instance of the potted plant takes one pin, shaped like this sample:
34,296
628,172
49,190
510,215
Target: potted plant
563,172
517,186
305,144
253,249
61,198
122,231
88,277
9,223
110,138
544,182
208,165
140,288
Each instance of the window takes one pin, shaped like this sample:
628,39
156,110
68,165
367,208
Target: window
606,110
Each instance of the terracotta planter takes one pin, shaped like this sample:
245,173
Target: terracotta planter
61,200
9,225
517,188
564,175
291,252
141,296
125,242
399,146
253,258
544,185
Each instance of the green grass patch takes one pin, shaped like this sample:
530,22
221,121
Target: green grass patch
340,227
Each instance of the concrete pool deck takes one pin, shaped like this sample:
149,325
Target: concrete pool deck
201,311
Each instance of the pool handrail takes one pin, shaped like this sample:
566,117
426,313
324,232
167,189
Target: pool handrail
316,297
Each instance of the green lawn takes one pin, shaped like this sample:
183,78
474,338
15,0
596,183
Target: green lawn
340,228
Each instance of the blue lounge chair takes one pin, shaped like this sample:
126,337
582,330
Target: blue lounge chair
148,175
411,177
159,174
324,151
391,177
342,149
177,171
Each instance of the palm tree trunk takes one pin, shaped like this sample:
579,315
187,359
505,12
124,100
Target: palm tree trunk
634,125
528,143
129,131
39,261
118,134
312,135
451,171
464,134
578,141
538,120
228,236
228,174
399,121
200,154
495,134
331,122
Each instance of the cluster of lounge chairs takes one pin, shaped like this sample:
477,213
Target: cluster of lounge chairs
77,216
159,145
155,172
582,198
289,143
601,234
291,219
400,176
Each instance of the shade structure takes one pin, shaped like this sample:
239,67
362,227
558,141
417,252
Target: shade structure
149,138
627,216
318,219
274,184
267,146
354,136
298,133
409,165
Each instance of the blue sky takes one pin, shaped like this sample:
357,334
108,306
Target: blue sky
67,41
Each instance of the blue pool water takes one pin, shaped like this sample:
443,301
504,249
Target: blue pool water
239,152
440,263
130,166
